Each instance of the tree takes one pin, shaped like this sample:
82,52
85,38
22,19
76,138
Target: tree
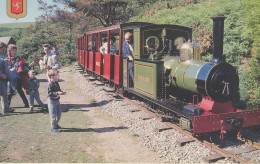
48,11
108,12
66,19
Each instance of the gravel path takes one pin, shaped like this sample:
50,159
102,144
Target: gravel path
162,142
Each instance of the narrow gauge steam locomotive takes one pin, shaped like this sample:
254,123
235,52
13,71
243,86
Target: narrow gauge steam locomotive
169,75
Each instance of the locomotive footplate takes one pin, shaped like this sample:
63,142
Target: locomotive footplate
225,121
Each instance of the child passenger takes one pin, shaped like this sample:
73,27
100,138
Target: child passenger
54,92
32,88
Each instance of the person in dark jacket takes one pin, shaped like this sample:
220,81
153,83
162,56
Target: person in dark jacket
53,100
32,88
128,53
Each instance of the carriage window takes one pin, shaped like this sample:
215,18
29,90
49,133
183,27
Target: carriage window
103,40
89,42
128,40
114,41
95,42
78,43
83,42
126,31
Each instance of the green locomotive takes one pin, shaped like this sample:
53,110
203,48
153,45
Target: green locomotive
169,74
164,54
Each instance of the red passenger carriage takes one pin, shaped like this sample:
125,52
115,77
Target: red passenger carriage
105,66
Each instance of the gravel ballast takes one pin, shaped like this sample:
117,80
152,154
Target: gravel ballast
147,130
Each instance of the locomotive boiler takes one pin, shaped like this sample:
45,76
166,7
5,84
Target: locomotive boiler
216,79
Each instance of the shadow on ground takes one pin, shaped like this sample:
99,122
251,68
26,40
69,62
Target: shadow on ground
64,107
79,107
42,80
45,80
97,130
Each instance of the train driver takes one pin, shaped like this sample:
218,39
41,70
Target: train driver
128,53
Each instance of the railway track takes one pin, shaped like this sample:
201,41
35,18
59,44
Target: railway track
209,145
221,153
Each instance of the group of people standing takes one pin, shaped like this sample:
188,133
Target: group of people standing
14,75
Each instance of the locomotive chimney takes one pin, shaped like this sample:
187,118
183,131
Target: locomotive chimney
218,33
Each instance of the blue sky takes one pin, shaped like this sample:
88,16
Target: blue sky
32,12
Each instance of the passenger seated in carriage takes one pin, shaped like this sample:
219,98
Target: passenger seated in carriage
113,49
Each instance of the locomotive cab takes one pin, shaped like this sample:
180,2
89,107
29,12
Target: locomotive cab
152,44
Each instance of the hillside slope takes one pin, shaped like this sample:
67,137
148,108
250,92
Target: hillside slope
198,16
16,30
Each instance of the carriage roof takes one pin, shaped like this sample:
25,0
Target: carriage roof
132,25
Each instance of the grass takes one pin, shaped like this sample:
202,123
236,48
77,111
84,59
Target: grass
26,137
